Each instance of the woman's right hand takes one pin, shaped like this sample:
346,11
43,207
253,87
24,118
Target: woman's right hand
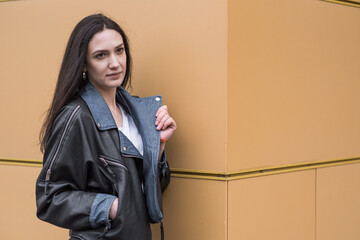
113,209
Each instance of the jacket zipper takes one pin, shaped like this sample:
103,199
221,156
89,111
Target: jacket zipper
107,162
48,172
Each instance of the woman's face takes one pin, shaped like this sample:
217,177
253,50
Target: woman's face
106,60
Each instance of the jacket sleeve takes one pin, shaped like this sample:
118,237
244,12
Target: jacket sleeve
61,195
100,208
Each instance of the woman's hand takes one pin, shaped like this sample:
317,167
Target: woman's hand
165,124
113,209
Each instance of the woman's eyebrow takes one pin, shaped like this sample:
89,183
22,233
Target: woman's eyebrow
104,51
120,45
99,51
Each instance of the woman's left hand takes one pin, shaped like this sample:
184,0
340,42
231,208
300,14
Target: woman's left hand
165,124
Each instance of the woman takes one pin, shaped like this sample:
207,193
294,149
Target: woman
104,163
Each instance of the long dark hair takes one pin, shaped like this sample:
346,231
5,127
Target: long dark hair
70,81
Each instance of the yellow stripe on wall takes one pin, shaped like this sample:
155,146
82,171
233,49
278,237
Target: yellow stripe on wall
21,162
221,176
250,173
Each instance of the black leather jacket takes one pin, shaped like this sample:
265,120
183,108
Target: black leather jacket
84,157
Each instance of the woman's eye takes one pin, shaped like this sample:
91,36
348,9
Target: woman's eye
100,55
120,50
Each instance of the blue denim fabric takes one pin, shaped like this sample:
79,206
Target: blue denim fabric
127,148
140,109
98,108
100,208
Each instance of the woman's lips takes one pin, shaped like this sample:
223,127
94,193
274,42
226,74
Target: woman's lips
114,75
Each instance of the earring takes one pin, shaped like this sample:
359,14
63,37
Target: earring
84,75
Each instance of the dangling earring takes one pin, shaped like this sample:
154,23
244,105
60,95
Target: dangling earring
84,75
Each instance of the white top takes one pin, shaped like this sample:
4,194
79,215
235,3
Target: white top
130,130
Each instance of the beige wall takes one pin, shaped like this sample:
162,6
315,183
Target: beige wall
293,80
293,83
337,203
251,84
273,207
171,45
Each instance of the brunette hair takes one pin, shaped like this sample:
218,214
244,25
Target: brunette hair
70,80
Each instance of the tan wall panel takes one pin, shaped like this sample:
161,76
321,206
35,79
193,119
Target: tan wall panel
18,208
273,207
337,202
179,51
293,83
194,209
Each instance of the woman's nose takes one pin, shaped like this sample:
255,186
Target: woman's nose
114,61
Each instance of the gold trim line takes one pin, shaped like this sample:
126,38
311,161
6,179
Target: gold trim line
250,173
21,162
221,176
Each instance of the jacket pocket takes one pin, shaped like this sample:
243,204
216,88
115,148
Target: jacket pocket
113,170
119,172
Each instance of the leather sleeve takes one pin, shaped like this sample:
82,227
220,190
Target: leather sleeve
62,199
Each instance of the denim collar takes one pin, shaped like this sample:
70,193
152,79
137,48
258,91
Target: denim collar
98,107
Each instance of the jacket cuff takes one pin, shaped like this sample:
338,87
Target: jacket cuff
100,208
